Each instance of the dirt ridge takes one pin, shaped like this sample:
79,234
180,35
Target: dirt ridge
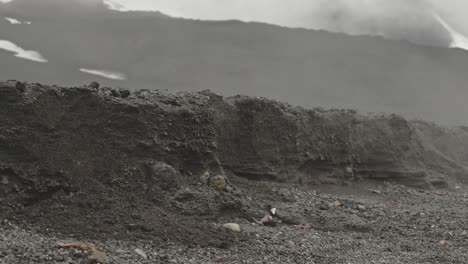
114,161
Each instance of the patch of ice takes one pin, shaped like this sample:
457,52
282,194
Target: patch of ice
105,73
458,40
22,53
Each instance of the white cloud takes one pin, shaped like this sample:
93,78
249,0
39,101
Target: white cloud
22,53
370,17
105,73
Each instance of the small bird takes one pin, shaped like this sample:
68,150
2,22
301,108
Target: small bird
272,210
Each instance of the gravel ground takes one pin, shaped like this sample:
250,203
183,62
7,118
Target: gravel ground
350,224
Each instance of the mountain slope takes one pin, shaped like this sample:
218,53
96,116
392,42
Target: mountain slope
304,67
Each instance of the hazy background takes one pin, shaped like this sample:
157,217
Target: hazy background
84,41
401,19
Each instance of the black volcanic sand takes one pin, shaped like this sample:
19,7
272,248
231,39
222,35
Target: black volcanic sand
357,223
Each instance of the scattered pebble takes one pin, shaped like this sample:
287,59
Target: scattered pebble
5,180
361,207
98,257
232,227
141,253
217,182
337,203
444,243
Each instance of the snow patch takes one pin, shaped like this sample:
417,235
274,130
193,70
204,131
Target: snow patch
105,73
22,53
458,40
115,6
14,21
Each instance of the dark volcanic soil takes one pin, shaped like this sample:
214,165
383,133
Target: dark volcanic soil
162,173
398,225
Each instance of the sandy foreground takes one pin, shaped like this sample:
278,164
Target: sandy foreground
348,224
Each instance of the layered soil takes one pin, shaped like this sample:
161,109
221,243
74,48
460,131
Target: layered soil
163,171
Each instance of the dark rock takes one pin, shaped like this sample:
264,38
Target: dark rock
20,87
115,93
124,93
162,176
289,218
94,85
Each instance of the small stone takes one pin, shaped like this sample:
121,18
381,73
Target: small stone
20,86
444,243
291,244
324,207
115,93
160,175
5,180
217,182
361,207
464,233
141,253
205,177
98,257
94,85
337,203
232,227
124,93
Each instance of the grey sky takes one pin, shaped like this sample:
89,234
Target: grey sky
350,16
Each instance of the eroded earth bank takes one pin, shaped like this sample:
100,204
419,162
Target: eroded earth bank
152,177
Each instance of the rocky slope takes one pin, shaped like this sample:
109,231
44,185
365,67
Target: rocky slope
151,165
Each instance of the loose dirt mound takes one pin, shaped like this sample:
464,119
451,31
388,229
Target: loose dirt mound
108,164
86,162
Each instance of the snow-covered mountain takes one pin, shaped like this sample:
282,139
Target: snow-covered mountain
416,21
82,41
